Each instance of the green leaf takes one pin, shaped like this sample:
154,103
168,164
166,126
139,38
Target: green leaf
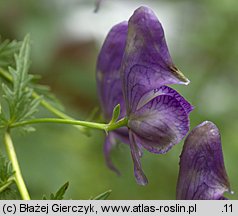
5,169
20,104
7,51
7,190
59,195
103,196
115,114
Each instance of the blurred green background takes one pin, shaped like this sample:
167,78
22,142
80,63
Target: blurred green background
67,35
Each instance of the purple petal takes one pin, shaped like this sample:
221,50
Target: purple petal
108,67
122,135
160,124
108,145
136,154
202,174
110,86
162,91
146,64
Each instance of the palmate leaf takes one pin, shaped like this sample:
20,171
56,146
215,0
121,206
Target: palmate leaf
7,51
19,99
59,195
22,94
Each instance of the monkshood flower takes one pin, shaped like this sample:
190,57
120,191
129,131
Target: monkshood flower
202,174
157,116
109,84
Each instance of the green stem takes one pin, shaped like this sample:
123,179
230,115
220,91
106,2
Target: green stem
16,168
44,103
60,121
6,184
57,112
101,126
121,123
65,119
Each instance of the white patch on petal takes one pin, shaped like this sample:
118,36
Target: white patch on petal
148,97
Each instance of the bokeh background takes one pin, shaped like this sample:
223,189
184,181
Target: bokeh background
67,36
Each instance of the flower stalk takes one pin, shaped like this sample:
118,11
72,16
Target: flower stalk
16,168
100,126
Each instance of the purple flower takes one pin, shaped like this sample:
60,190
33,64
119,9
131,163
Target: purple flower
158,116
109,84
202,174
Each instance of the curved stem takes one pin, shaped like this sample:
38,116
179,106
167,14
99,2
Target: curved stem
57,112
13,158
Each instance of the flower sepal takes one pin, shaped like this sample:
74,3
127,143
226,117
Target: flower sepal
115,114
